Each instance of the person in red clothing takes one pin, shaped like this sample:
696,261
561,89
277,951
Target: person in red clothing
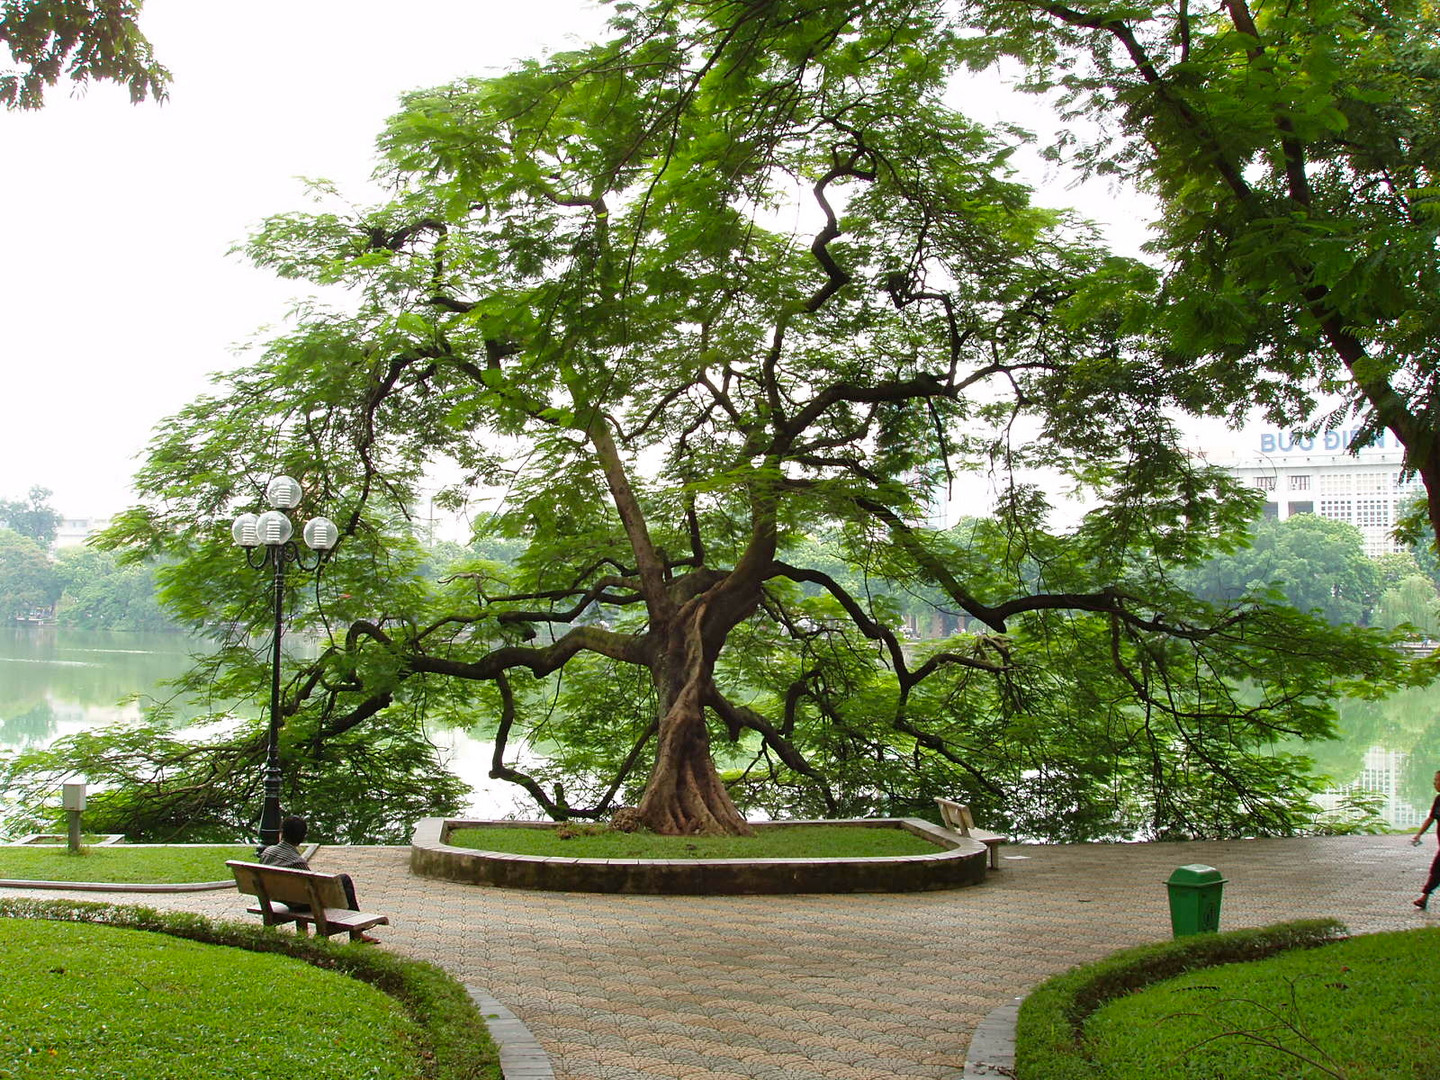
1433,880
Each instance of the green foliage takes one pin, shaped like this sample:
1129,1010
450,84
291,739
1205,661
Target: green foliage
28,581
34,519
1293,151
1357,813
155,786
791,842
100,594
1050,1031
119,863
454,1030
1412,601
1315,563
1360,1009
78,40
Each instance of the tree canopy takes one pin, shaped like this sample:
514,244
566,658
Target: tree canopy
33,517
1317,564
709,310
28,581
1294,151
76,40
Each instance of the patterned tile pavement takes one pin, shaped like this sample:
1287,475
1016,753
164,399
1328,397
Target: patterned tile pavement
863,987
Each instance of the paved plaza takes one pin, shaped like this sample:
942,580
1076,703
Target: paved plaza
862,987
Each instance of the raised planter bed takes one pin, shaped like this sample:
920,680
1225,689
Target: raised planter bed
102,840
957,861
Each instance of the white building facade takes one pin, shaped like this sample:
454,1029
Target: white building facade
1319,475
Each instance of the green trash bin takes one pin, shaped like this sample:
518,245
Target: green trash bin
1195,893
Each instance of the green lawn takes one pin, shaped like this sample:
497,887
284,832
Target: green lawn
800,842
122,863
113,1004
1362,1009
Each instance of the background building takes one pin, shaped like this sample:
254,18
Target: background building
1320,475
72,532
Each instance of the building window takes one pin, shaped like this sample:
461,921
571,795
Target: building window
1301,508
1265,483
1300,483
1336,484
1372,513
1338,509
1373,483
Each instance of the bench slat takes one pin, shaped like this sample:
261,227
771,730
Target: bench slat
339,918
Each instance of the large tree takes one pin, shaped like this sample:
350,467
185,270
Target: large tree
1294,150
735,278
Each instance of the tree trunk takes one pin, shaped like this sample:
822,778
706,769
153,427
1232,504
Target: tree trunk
684,796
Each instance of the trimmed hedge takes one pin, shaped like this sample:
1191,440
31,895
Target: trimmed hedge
454,1028
1050,1031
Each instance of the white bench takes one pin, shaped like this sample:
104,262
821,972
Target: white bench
956,817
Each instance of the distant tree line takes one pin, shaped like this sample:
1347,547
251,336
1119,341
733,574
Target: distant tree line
1314,563
1317,564
80,587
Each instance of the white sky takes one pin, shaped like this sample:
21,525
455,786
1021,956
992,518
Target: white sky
117,295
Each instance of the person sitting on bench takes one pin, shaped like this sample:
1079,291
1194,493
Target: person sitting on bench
287,853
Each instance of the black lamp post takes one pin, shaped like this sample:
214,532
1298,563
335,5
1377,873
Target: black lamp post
272,532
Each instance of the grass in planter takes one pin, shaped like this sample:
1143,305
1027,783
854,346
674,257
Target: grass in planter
114,1004
601,842
1361,1009
122,864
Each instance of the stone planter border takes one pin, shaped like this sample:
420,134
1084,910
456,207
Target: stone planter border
46,839
958,861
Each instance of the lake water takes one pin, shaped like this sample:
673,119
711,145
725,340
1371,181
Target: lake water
55,682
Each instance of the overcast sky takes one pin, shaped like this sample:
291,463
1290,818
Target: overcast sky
117,295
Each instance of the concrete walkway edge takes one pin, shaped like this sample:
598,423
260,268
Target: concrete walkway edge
521,1056
992,1048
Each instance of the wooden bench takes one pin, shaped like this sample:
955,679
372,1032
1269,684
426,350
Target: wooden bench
284,894
956,817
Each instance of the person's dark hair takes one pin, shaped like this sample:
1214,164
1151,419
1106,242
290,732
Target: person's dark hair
293,829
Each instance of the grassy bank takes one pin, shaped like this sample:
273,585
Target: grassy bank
599,842
1295,1001
1362,1009
102,1002
122,863
129,993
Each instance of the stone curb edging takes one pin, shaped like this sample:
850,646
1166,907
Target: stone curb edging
115,886
521,1056
992,1048
959,861
33,840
